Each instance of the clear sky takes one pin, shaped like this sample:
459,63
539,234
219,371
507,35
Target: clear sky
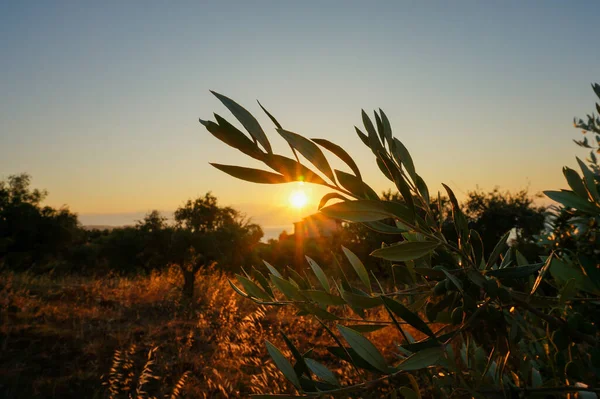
100,100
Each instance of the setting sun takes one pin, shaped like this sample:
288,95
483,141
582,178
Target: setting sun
298,199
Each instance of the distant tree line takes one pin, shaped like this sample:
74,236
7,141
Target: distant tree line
42,239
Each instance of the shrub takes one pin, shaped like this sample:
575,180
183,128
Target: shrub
508,327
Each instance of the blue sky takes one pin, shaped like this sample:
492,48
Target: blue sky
100,100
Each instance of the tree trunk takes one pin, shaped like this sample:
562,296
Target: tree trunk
189,282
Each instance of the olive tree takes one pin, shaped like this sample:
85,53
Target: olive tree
494,325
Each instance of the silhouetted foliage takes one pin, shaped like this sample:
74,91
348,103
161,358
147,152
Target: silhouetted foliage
33,237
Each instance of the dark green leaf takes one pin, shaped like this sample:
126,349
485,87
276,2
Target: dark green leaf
231,136
460,222
403,157
498,249
287,288
341,154
411,318
367,211
571,200
379,124
363,137
309,150
252,289
251,175
272,269
321,371
477,247
262,280
319,274
358,267
367,328
355,185
590,182
575,182
327,197
422,187
350,356
323,298
246,119
300,364
283,364
277,124
364,348
236,289
406,250
453,279
515,272
387,128
421,359
360,301
292,169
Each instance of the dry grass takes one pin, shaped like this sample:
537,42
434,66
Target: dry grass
132,338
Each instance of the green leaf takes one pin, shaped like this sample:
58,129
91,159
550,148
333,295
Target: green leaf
403,157
498,249
252,289
231,136
236,289
515,272
300,363
246,119
411,318
367,328
421,359
323,298
521,260
277,124
251,175
384,228
262,280
360,301
321,371
319,312
283,364
477,247
363,137
453,279
358,267
319,274
379,124
406,250
563,272
367,211
571,200
356,186
272,269
327,197
460,222
387,128
292,169
349,355
590,182
340,153
568,291
309,150
422,187
575,182
364,348
288,289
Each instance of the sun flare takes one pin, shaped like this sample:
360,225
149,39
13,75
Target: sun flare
298,199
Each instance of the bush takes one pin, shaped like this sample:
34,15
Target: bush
505,326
